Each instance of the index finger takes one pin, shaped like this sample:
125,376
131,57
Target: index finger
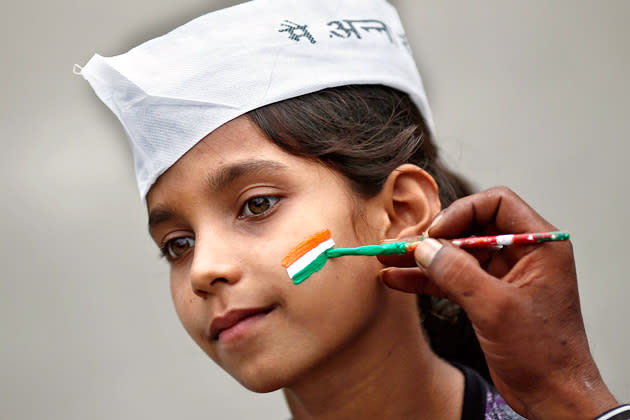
499,208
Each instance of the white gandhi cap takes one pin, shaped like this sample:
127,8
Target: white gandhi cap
172,91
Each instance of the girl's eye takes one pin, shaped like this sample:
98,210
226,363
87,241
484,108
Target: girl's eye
257,206
177,247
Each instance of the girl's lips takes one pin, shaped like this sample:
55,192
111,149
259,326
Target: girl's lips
235,317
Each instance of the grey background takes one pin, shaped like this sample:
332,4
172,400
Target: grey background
530,94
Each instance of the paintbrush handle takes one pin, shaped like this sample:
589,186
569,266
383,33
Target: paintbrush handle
512,239
402,248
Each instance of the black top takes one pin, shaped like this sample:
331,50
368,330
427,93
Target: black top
482,401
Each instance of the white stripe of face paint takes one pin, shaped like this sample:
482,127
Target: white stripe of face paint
309,257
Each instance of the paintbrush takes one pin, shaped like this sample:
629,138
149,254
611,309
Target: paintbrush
407,247
311,255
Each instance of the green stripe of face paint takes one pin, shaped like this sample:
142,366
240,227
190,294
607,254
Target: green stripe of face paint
317,264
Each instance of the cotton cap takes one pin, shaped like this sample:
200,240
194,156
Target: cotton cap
172,91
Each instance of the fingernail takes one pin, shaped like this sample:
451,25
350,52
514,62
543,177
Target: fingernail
435,222
425,252
382,272
415,238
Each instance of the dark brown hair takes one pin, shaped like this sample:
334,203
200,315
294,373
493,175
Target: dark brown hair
364,132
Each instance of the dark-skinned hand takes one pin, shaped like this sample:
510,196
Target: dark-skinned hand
522,301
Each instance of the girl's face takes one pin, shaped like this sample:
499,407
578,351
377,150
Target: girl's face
225,214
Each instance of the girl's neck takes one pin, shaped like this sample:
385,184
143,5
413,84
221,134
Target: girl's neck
390,372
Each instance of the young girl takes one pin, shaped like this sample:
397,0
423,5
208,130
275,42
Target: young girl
257,126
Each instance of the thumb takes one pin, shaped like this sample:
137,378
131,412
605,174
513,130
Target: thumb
459,276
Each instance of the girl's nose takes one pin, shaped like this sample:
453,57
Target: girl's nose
215,265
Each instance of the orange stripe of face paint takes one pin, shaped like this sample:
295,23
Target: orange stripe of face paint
303,247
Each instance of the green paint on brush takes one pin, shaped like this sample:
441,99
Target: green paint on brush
396,248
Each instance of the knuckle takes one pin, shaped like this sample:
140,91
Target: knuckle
505,303
502,191
455,273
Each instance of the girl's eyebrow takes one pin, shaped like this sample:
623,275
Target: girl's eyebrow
224,176
220,179
157,216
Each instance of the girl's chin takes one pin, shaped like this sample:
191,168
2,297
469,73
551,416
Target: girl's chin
270,376
262,385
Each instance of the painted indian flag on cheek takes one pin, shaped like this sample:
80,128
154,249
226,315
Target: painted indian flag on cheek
308,256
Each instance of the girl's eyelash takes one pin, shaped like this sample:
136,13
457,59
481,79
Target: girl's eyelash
164,248
163,253
272,201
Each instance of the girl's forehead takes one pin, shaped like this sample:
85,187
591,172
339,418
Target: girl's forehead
236,150
236,140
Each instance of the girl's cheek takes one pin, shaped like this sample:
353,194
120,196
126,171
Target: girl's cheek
183,300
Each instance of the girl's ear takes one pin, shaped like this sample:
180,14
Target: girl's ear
411,201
